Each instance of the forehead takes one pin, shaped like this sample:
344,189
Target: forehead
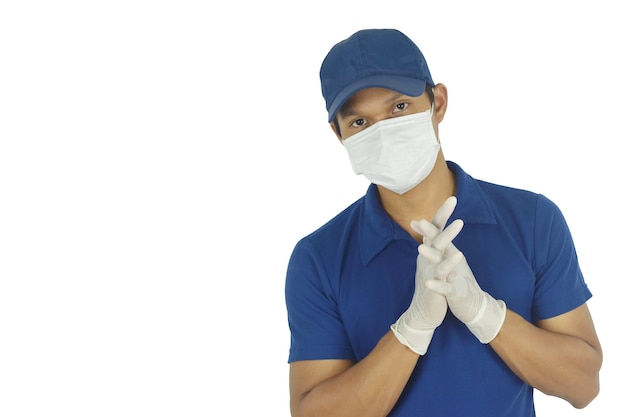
371,99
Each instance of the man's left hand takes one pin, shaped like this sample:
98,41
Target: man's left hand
483,314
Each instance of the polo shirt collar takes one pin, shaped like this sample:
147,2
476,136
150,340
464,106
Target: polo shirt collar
378,230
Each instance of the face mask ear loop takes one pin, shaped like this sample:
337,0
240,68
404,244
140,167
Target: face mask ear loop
432,110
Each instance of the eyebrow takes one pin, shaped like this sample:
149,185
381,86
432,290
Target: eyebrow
347,111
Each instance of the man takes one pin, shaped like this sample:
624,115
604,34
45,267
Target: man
387,315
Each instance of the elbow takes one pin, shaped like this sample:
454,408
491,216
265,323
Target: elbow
581,393
585,398
589,390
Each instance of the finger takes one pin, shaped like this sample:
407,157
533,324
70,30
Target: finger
450,250
441,241
440,287
445,211
448,264
431,254
426,229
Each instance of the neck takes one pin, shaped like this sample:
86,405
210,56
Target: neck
423,201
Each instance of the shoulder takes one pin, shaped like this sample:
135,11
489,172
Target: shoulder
524,204
325,242
488,202
337,226
524,215
518,201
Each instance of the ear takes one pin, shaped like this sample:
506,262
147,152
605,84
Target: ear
333,126
441,101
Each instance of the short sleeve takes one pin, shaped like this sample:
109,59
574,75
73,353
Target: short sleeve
317,331
560,286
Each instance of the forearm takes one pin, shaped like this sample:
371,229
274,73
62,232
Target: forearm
370,387
557,364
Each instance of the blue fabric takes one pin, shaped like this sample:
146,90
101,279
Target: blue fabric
351,279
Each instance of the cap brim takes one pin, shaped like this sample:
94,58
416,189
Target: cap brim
409,86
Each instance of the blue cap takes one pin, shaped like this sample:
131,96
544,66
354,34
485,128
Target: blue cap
372,58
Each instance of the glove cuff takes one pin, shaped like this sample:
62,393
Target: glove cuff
488,322
417,340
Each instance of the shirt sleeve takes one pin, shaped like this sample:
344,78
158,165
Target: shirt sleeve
317,331
560,286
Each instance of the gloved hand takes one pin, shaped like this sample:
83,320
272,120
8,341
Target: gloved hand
481,313
416,326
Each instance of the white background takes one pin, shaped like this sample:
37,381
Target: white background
159,160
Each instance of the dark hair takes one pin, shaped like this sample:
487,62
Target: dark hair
429,91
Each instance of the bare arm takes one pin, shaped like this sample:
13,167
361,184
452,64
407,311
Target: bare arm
370,387
560,356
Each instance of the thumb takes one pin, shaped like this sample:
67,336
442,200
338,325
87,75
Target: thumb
440,287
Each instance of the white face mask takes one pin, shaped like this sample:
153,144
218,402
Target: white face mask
396,153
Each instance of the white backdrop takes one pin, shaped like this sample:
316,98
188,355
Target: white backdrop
159,160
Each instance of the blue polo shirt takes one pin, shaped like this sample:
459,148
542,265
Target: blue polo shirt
351,279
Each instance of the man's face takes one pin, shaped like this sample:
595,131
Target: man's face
372,105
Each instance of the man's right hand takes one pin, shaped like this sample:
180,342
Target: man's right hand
416,326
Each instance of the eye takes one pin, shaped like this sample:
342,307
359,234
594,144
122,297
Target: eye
400,107
358,123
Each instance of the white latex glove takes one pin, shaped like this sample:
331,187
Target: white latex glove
416,326
481,313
